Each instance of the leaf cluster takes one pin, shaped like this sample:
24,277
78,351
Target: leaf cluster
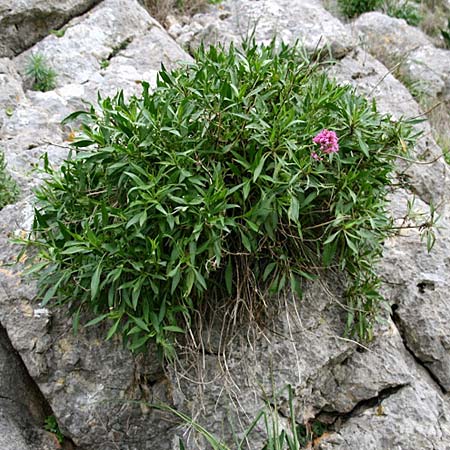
42,76
353,8
52,426
406,9
206,188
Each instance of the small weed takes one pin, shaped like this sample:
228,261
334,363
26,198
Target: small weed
8,187
42,76
121,46
353,8
52,426
291,436
104,63
58,33
9,111
405,9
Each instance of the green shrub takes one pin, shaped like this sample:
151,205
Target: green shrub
406,9
52,426
353,8
211,188
8,187
42,76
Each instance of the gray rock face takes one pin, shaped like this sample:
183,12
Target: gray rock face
396,43
23,409
24,22
287,20
102,384
92,386
90,39
11,92
413,415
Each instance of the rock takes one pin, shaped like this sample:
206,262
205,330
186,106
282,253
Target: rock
23,409
91,39
11,92
302,342
287,20
417,285
105,385
23,23
140,61
429,67
417,280
397,44
413,415
386,396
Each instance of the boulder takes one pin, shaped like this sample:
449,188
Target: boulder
287,20
408,51
408,416
24,22
23,409
90,39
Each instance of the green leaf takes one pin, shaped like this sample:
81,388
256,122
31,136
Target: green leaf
293,211
95,281
113,330
229,277
259,168
173,329
141,324
96,320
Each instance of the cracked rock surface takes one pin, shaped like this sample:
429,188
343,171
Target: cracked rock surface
24,22
390,395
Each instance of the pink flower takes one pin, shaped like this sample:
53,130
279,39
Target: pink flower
328,141
315,156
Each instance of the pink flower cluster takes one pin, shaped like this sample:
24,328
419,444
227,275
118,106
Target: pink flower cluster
328,142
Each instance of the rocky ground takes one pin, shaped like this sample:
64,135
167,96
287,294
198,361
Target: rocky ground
391,395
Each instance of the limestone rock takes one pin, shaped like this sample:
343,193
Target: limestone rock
411,416
91,39
23,409
418,280
11,92
105,386
397,44
92,387
24,22
386,396
287,20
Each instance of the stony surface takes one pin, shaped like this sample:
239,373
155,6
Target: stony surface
413,415
400,45
11,92
391,395
23,408
91,39
24,22
288,20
